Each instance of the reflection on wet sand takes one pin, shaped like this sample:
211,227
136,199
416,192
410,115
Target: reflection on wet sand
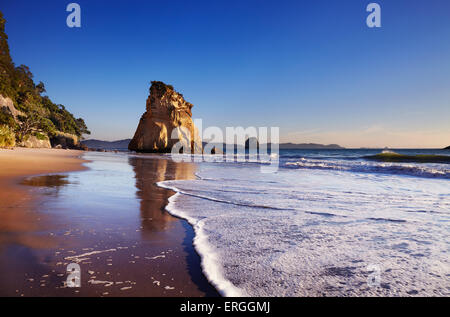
111,221
153,198
46,181
21,228
20,223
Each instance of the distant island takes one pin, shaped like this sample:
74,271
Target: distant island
447,148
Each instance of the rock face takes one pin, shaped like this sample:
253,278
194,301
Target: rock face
34,142
168,120
7,105
65,141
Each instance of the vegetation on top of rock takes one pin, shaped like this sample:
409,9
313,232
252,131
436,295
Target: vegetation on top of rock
160,86
39,113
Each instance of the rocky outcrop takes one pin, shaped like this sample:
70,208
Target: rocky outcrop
65,141
168,120
7,105
36,142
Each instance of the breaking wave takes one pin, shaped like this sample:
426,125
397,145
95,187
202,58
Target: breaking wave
386,167
391,156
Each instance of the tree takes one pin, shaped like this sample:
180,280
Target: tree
40,88
82,127
6,64
27,125
33,123
4,47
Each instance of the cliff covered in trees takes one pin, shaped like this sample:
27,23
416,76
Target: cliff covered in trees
27,116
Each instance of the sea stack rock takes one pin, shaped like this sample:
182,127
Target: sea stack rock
167,114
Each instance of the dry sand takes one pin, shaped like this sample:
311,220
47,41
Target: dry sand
24,162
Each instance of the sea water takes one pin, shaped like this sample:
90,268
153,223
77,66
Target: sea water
327,223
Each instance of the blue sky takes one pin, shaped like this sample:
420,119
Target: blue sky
313,68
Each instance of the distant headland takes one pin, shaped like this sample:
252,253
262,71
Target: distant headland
122,145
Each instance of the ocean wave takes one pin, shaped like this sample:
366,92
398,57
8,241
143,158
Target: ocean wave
391,156
223,201
420,170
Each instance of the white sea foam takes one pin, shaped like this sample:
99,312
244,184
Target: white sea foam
210,262
81,257
315,232
413,169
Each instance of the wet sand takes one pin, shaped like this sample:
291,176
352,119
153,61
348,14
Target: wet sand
16,217
109,219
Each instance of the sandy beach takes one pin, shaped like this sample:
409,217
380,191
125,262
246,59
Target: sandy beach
25,162
18,163
127,248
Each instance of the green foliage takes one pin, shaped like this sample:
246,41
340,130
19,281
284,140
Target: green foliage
7,136
27,125
81,127
7,119
40,136
6,64
41,114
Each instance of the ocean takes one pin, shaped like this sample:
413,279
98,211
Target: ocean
327,223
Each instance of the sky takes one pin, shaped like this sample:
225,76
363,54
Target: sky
312,68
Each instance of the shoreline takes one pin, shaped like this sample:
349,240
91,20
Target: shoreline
209,264
30,226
